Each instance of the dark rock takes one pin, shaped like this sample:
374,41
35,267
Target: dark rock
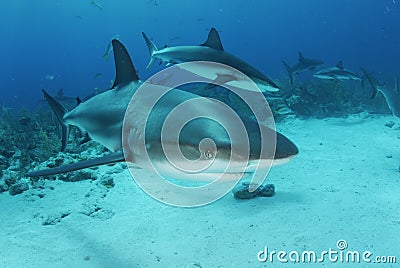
18,188
7,153
10,181
242,191
108,182
3,187
267,190
77,176
389,124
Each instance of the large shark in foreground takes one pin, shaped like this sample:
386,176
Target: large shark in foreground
392,96
337,72
102,117
212,50
302,65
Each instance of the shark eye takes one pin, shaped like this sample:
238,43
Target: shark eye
208,154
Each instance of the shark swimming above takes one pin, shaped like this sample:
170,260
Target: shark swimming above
213,51
392,96
337,73
102,117
302,65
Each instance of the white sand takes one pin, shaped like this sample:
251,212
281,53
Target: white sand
343,185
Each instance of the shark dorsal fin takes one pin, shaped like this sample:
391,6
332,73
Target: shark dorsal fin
60,92
125,71
213,40
340,65
301,58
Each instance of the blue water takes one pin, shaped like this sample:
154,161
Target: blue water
64,40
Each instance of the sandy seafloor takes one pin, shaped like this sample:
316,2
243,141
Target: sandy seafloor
344,184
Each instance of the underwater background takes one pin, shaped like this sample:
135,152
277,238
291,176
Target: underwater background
60,44
340,192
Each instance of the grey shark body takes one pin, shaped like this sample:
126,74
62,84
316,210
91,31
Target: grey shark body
213,51
302,65
337,73
102,117
392,96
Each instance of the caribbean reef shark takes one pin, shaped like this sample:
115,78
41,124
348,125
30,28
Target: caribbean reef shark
392,96
337,73
302,65
213,51
102,117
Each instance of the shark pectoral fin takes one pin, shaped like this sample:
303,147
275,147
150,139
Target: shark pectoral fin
108,159
213,40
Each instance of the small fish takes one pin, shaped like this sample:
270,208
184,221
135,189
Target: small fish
154,2
93,2
97,75
78,17
49,77
109,47
284,110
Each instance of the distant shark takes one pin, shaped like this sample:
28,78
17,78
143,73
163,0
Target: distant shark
302,65
392,96
212,50
102,118
337,73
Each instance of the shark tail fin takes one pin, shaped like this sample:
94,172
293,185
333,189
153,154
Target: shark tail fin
152,49
372,81
289,70
59,110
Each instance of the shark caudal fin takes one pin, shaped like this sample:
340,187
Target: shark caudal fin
289,70
152,49
374,83
59,110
